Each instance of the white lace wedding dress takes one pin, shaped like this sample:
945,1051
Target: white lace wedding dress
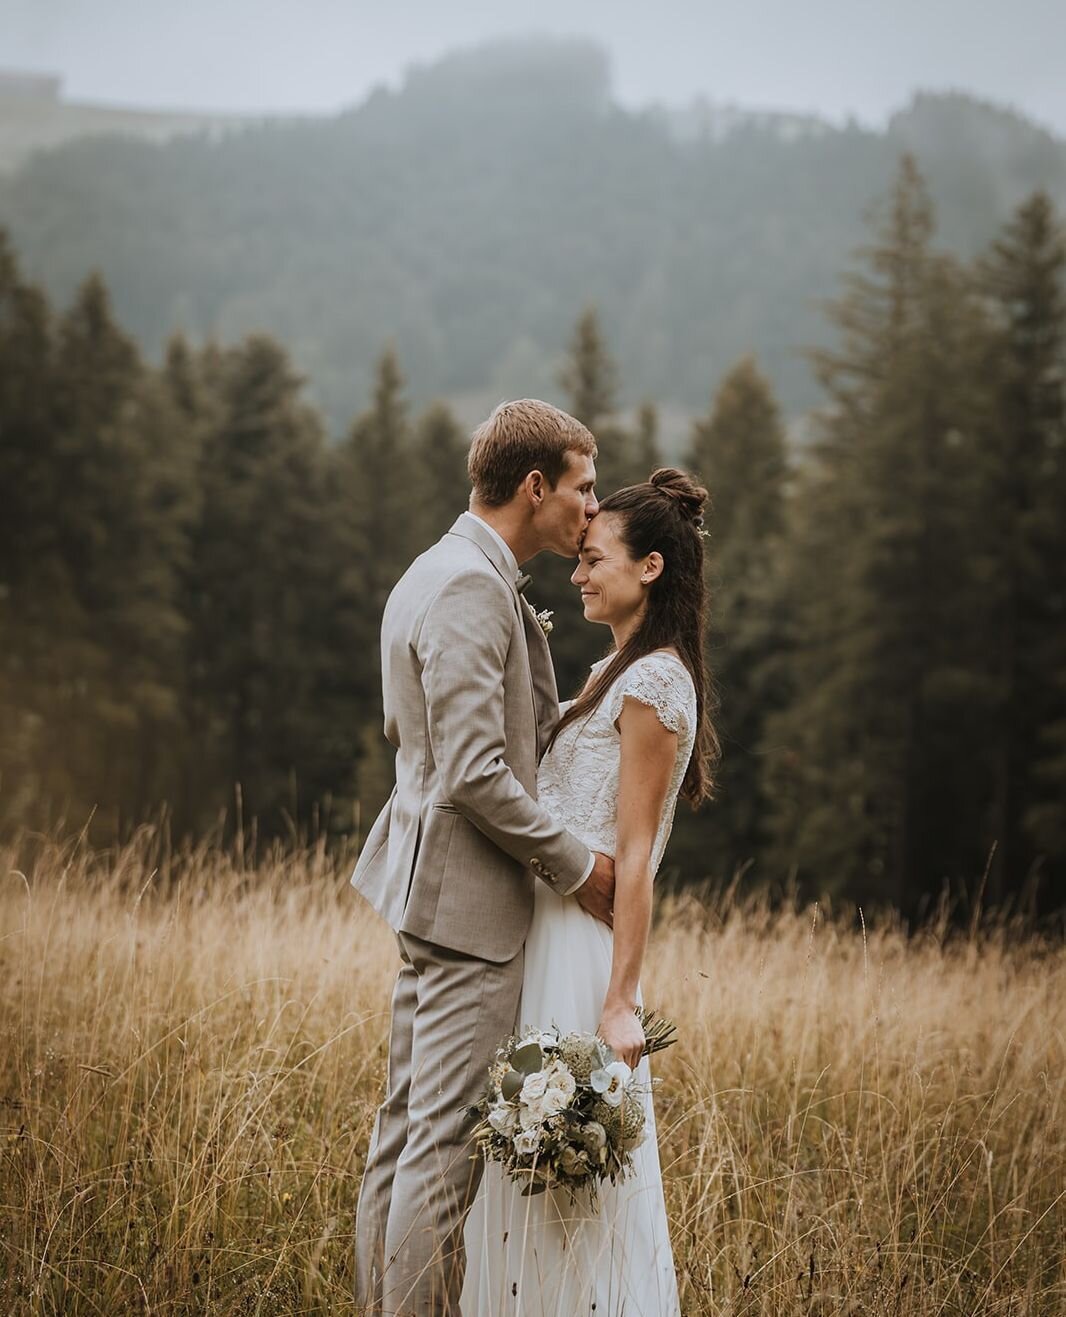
541,1256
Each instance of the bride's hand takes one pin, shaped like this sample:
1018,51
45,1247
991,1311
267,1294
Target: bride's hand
596,894
623,1033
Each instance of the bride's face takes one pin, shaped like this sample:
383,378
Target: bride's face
612,590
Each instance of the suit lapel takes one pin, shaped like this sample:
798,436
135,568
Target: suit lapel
470,528
540,664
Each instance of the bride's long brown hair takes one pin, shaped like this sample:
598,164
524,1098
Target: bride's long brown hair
664,515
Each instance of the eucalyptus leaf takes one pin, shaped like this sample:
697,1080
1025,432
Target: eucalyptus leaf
534,1187
511,1085
528,1058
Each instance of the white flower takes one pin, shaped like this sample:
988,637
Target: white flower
527,1142
534,1086
560,1079
554,1101
503,1118
544,620
531,1113
610,1082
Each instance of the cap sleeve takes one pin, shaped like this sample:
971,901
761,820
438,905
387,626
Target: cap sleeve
660,682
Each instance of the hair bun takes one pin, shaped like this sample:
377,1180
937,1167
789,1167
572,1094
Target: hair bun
690,497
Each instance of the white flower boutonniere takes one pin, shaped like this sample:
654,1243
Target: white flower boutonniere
544,620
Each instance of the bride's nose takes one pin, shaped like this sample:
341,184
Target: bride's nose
580,576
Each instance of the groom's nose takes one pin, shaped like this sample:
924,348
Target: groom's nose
591,506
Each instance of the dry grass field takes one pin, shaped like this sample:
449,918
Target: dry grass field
192,1050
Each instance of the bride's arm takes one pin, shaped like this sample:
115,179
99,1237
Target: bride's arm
649,752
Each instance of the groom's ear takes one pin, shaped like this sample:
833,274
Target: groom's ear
534,487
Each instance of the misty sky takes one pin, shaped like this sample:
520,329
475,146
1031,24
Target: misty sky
833,57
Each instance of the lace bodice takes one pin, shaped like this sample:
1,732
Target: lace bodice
578,778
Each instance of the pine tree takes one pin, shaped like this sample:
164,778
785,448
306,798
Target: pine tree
33,579
879,737
273,680
589,375
739,453
590,380
439,473
378,480
1024,542
648,455
90,545
121,537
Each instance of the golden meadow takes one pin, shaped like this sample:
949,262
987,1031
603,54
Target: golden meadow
193,1046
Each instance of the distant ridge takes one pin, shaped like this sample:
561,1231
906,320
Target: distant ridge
34,116
469,215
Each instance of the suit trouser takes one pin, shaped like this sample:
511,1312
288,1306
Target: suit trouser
450,1012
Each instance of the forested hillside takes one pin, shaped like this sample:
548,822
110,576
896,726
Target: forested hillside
470,215
192,575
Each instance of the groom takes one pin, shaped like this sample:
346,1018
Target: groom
470,701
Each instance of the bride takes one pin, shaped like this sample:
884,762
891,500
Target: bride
636,737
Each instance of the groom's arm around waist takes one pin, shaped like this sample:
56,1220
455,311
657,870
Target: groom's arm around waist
463,645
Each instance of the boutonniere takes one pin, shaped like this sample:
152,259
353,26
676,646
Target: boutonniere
544,620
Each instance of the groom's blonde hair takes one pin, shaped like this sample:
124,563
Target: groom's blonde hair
519,437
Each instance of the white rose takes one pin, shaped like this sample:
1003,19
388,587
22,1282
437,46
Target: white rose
534,1087
531,1113
554,1101
560,1079
527,1142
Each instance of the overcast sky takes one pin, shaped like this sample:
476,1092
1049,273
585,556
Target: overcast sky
833,57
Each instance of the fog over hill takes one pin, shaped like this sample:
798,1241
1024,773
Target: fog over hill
469,215
35,115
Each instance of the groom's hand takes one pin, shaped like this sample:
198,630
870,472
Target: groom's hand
596,893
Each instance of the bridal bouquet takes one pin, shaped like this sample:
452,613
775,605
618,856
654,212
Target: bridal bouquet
560,1111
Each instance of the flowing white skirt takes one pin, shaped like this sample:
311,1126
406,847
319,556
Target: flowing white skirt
542,1256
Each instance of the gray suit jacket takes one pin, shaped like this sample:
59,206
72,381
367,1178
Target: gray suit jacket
470,700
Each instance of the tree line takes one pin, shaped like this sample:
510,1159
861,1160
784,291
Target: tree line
192,576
